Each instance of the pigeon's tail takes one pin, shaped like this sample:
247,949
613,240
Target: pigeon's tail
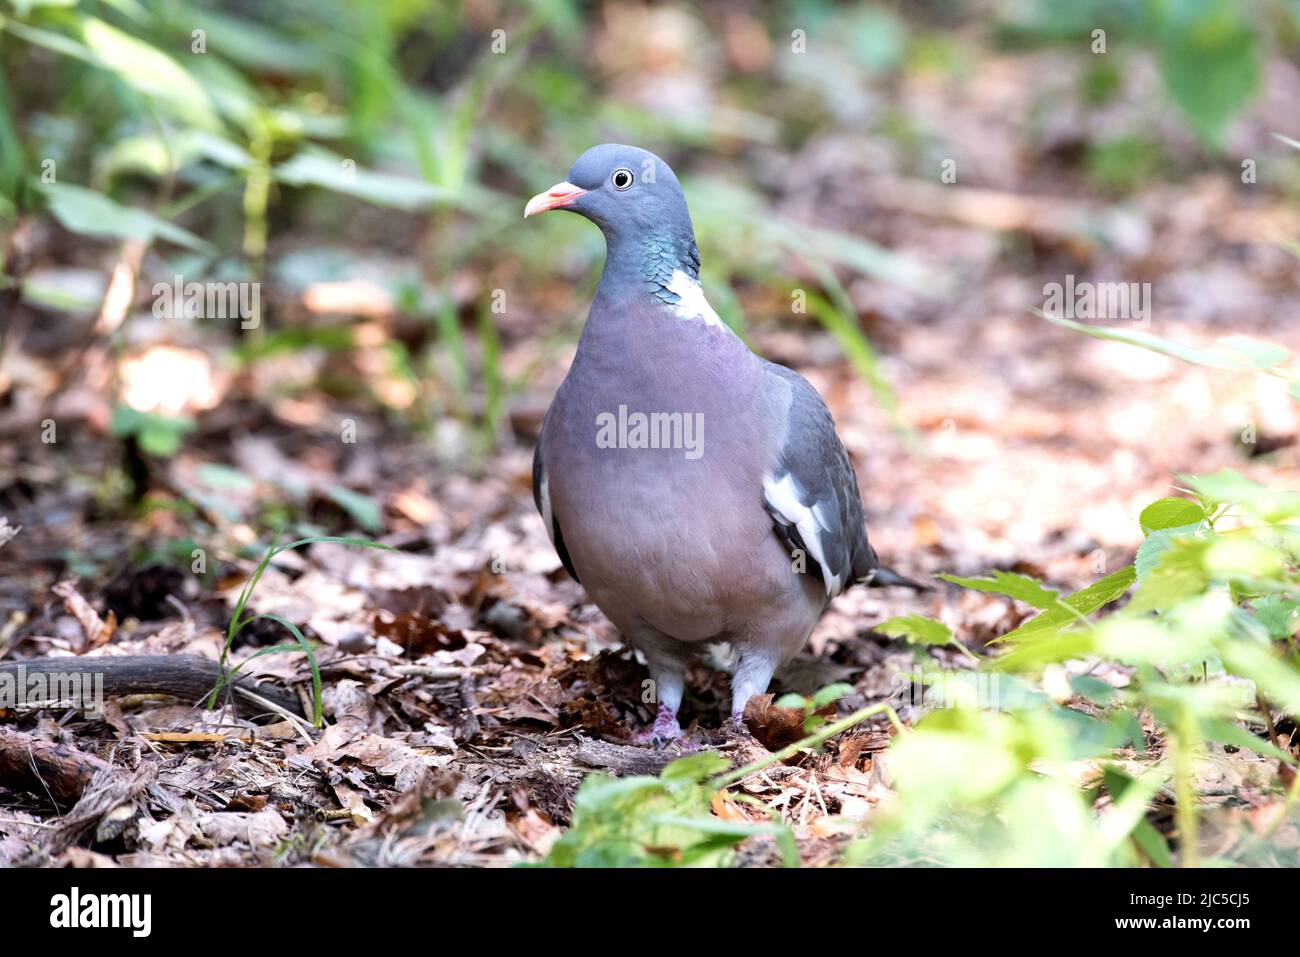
880,576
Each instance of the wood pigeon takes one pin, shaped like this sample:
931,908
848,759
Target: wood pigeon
697,491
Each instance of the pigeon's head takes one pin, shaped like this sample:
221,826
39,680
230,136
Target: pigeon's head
624,190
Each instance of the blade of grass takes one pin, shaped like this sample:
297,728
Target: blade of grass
300,644
237,619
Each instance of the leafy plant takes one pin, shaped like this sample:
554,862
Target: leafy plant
1209,52
662,821
1208,634
666,821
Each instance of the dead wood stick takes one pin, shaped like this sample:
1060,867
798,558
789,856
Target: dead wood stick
621,759
45,768
187,677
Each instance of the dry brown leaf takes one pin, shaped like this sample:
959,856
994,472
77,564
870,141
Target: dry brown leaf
95,631
776,727
352,802
850,748
258,829
418,634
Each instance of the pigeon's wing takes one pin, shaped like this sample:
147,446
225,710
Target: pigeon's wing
812,493
542,499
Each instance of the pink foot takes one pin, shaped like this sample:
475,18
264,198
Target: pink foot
662,732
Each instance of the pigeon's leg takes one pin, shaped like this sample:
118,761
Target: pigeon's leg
668,676
772,639
752,675
668,689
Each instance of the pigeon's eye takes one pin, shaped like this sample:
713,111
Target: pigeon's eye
622,178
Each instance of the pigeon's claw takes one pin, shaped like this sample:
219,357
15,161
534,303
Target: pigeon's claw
663,732
735,727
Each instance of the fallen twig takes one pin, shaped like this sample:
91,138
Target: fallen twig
45,768
187,677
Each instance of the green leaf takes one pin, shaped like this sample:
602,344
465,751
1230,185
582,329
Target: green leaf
838,315
237,621
1170,513
224,478
916,629
1277,614
13,160
1094,689
1178,574
320,168
1153,844
150,72
1012,585
89,213
1242,559
1156,544
1278,681
1130,728
853,252
1227,487
1209,58
161,436
248,43
51,41
1149,641
363,509
695,767
830,694
1226,732
24,8
1078,605
162,154
156,434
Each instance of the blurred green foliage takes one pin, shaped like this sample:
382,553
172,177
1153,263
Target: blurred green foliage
662,821
1210,53
201,127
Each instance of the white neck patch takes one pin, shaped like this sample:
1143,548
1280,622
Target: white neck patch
691,303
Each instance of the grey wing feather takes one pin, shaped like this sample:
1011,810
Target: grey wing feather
813,494
541,498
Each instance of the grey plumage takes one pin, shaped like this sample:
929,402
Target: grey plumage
743,536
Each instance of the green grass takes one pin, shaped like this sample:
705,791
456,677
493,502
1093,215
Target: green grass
239,621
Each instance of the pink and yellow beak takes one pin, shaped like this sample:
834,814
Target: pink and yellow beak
557,197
